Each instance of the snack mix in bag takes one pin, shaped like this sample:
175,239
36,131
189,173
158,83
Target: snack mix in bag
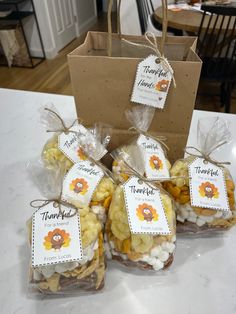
146,251
89,181
193,219
94,141
62,149
59,240
152,148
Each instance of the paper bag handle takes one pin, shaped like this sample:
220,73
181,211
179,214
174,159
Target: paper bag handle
109,23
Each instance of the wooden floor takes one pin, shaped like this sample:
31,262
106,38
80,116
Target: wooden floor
52,76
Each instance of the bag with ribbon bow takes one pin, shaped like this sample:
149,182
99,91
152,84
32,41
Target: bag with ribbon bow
89,181
140,230
67,255
62,149
204,195
153,147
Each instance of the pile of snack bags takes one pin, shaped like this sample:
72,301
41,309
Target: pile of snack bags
130,213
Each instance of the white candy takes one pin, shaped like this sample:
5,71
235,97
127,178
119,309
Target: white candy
192,214
177,205
47,271
168,247
37,275
158,265
188,207
179,218
184,213
200,222
156,251
218,214
95,245
115,253
192,219
227,215
145,258
98,209
151,261
116,169
107,251
124,256
163,256
207,218
61,268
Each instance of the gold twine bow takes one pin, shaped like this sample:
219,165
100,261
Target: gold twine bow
57,202
64,128
154,46
159,138
206,157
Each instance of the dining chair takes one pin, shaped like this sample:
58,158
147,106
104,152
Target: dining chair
217,49
147,21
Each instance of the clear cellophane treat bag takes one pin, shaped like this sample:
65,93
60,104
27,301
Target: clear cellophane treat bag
62,149
140,230
152,148
67,252
204,193
89,181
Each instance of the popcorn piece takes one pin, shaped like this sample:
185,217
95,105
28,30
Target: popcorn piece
53,157
141,243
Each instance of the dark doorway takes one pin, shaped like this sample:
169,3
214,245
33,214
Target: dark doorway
99,6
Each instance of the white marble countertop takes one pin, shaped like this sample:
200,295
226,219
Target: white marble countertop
201,280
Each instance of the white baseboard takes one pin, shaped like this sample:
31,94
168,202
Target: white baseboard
84,27
50,53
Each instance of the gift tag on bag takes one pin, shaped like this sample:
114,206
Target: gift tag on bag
55,236
154,157
69,144
145,209
152,83
81,181
207,185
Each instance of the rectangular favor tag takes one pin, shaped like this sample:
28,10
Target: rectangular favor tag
69,143
154,157
152,83
81,181
145,209
207,185
55,237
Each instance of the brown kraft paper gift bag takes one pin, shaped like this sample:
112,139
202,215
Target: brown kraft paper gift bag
103,71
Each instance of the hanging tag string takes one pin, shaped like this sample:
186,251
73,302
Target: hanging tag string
58,202
160,139
64,128
104,169
152,44
206,157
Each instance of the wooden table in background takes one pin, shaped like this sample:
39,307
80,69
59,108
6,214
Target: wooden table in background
188,20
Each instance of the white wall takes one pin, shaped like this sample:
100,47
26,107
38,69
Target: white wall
42,13
86,11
